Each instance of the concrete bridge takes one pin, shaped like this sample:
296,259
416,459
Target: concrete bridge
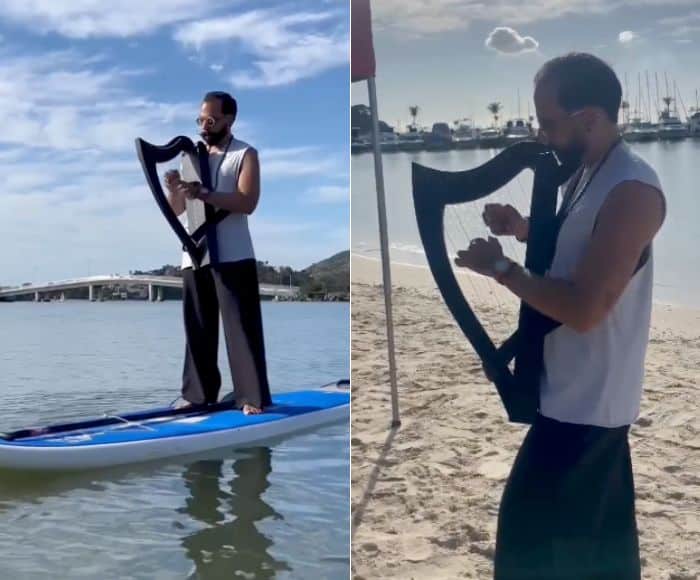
94,284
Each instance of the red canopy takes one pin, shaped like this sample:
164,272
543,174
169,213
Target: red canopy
362,63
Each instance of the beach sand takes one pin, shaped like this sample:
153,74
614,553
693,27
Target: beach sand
425,496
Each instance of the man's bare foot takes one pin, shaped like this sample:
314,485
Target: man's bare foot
181,404
251,409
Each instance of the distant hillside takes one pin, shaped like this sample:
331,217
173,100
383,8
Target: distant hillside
330,276
328,279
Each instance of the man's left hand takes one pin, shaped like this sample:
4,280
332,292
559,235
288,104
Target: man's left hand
191,189
480,256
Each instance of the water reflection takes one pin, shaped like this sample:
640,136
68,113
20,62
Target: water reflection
230,503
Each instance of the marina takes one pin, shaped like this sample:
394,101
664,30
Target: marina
645,116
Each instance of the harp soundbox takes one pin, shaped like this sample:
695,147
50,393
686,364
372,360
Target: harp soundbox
433,192
199,237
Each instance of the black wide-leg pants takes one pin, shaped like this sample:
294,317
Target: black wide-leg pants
567,512
231,289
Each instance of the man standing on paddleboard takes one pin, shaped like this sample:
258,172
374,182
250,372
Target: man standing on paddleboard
568,507
231,285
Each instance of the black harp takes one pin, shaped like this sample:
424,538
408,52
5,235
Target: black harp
433,191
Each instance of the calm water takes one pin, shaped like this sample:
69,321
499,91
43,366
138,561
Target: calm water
280,511
676,246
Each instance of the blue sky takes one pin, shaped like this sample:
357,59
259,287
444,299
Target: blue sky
435,54
80,81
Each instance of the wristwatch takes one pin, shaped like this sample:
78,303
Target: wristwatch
501,268
203,193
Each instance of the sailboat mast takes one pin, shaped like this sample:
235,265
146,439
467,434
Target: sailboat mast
675,99
625,111
646,72
658,100
639,94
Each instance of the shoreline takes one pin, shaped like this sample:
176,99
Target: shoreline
367,270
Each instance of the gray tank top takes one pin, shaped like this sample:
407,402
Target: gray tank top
595,378
232,233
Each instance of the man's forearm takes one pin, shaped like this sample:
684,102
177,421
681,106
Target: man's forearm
559,299
236,202
177,202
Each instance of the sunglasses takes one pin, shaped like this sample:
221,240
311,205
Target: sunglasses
549,125
207,122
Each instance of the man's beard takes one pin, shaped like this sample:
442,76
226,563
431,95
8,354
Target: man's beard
570,156
214,138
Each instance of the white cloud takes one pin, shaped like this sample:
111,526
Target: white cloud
417,17
508,41
330,194
97,18
682,27
272,240
298,162
73,191
62,101
284,48
627,37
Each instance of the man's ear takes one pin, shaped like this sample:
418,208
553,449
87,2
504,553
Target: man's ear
591,116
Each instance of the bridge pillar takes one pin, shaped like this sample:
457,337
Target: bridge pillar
36,296
91,293
160,294
151,296
63,296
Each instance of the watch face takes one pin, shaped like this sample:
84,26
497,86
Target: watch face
500,266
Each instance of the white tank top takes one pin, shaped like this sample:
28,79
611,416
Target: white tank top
595,378
232,232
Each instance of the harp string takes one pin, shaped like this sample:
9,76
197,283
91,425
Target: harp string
472,277
467,219
518,199
452,248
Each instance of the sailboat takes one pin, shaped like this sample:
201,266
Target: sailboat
670,126
694,118
639,129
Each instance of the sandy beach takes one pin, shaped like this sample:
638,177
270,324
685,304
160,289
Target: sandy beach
425,496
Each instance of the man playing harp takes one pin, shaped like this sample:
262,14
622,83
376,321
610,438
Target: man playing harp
568,507
229,285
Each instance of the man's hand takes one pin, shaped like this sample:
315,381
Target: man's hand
505,220
189,189
481,256
172,179
175,199
626,224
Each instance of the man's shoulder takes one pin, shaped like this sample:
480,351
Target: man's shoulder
637,168
636,161
243,146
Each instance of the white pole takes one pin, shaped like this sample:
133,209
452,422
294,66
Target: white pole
384,247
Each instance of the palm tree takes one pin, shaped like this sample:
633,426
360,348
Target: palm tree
494,109
667,101
625,111
413,110
531,120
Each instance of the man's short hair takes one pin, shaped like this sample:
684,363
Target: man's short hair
583,80
228,103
